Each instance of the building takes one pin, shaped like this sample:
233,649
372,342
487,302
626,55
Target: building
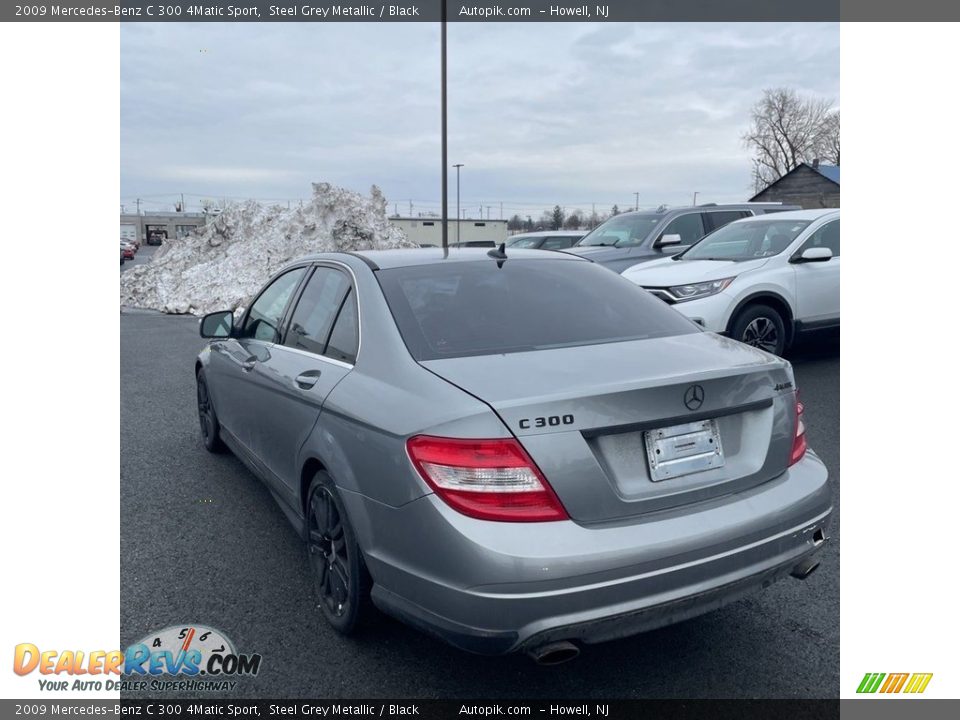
168,225
812,186
427,230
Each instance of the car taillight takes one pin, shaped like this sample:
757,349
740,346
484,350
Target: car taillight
799,435
486,479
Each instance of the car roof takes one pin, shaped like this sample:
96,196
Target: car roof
666,210
409,257
794,215
550,233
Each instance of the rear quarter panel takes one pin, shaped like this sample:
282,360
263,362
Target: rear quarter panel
360,435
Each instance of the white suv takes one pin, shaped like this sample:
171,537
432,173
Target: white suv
760,280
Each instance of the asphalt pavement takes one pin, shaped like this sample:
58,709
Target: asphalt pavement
202,541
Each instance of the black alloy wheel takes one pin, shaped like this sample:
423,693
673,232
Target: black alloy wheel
209,425
339,575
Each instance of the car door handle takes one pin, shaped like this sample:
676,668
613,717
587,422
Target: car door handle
248,364
307,380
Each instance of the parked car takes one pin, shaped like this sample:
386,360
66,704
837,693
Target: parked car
126,249
762,280
511,453
131,241
546,239
634,237
473,244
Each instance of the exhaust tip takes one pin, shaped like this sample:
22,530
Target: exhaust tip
805,569
555,653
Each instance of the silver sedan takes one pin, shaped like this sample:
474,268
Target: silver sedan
512,451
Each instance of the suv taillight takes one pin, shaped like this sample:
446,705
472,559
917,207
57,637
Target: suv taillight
799,434
485,479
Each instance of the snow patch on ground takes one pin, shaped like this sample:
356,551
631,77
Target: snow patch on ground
224,264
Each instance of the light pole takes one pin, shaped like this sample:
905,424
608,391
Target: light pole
458,166
637,205
695,198
443,124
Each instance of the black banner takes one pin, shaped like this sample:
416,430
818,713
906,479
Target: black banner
432,709
476,11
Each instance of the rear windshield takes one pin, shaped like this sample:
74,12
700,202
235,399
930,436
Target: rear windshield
458,309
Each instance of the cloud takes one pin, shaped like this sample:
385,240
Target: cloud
539,113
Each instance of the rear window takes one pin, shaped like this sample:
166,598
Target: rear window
458,309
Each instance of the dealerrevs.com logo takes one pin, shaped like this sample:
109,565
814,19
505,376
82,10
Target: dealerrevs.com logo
179,657
910,683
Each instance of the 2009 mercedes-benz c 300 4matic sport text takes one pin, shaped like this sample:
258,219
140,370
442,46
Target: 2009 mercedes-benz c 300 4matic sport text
512,451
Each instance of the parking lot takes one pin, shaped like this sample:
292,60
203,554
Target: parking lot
202,541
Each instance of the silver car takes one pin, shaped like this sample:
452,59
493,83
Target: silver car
512,451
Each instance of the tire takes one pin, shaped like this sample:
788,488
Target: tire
762,327
209,425
340,578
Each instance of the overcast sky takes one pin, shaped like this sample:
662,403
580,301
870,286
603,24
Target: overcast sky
544,113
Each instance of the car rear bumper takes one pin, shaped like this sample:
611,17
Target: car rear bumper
500,587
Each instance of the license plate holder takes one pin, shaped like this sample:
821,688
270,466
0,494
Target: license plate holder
683,449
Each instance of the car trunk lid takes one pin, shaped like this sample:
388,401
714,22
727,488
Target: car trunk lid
583,414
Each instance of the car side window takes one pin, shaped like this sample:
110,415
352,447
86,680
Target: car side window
826,236
558,243
689,227
316,310
262,321
345,336
718,219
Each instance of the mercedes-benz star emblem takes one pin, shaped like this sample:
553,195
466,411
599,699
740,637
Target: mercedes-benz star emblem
693,397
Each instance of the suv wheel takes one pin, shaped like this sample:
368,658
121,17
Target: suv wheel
762,327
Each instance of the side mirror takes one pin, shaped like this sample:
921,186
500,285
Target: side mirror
671,239
814,254
217,324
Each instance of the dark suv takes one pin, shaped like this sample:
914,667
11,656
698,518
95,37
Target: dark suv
635,237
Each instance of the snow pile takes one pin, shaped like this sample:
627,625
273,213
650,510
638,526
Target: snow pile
224,264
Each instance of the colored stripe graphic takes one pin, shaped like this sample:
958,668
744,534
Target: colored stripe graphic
918,682
895,682
870,682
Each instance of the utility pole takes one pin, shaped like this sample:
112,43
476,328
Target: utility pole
183,208
488,212
411,208
637,205
139,223
695,198
458,166
443,127
501,209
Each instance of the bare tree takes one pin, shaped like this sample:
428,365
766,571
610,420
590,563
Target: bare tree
788,129
830,151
